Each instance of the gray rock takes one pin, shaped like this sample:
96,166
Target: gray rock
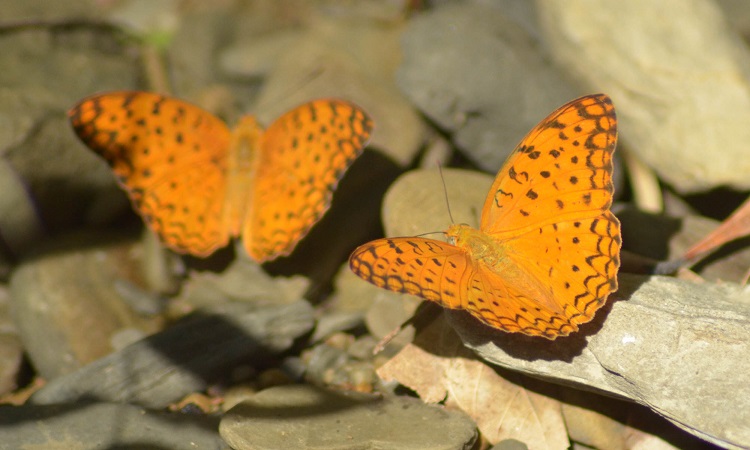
681,86
20,222
11,350
481,75
68,184
241,281
306,417
65,300
669,344
184,358
328,365
11,362
104,426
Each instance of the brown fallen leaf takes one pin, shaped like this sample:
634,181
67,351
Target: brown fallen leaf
735,226
438,367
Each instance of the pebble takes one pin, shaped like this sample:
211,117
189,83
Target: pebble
306,417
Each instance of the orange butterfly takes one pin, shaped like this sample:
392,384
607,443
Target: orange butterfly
196,183
546,254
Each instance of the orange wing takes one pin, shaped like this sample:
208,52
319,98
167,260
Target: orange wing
561,170
303,155
579,266
169,156
547,253
446,275
427,268
549,206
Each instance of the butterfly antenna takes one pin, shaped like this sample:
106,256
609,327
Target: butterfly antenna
445,192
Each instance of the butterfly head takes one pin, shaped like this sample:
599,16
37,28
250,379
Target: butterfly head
459,234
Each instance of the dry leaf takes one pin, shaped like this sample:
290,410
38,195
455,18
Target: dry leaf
736,226
438,367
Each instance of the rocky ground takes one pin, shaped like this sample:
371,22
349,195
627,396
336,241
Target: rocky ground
108,341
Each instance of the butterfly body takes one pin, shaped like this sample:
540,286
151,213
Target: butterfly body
546,254
196,183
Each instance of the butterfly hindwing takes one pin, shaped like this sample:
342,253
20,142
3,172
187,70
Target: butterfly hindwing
430,269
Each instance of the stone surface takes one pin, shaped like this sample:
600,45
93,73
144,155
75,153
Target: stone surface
495,82
66,303
331,365
671,345
306,417
681,86
416,203
104,426
65,183
242,281
20,223
184,358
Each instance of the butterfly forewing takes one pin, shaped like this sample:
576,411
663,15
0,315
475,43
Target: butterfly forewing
303,155
169,156
563,168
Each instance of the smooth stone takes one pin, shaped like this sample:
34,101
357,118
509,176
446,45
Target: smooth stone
381,311
495,82
416,202
329,366
184,358
673,82
11,362
242,281
104,426
65,301
331,322
307,417
20,223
